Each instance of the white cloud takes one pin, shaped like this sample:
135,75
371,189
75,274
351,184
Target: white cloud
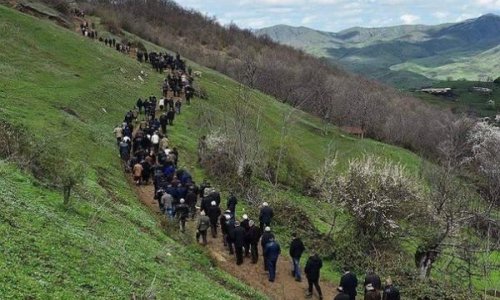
463,17
307,20
490,4
440,15
409,19
291,2
336,15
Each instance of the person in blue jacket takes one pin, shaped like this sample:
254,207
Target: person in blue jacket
272,252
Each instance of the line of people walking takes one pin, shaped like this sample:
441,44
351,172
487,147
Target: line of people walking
145,150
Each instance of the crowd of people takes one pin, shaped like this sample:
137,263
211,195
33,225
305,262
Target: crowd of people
145,150
89,31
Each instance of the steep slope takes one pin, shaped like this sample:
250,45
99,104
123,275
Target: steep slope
415,49
70,92
60,95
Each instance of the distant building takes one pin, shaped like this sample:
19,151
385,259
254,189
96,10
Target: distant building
481,89
357,131
436,91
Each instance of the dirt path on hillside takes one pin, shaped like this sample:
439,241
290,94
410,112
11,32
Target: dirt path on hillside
285,286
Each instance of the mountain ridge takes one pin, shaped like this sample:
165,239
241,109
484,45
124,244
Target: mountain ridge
488,16
375,51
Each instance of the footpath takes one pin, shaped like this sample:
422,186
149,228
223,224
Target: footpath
285,286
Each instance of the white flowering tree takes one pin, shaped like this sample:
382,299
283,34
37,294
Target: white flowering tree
377,194
485,141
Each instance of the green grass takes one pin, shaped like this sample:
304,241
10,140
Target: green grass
456,67
107,245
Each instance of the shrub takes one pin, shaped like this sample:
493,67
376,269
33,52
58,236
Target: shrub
112,23
376,194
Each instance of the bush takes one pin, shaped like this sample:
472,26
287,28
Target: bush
497,81
112,23
201,93
214,156
376,194
41,159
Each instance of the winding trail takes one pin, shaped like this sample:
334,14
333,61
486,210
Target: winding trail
284,287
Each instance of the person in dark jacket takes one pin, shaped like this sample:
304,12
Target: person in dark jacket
182,191
171,116
296,250
239,242
349,282
163,123
222,221
253,236
215,196
373,279
245,223
213,214
371,293
205,204
124,151
266,215
178,105
229,223
146,171
390,291
191,199
266,237
312,270
231,203
182,213
139,105
342,295
272,252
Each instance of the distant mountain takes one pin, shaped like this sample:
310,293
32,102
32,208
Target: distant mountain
407,55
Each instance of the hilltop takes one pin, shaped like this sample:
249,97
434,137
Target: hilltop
408,55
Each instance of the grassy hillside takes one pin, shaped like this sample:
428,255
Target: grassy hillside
107,245
71,91
469,68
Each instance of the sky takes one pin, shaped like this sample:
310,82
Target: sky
336,15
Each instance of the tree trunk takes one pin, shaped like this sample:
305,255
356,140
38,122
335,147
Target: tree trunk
425,265
66,194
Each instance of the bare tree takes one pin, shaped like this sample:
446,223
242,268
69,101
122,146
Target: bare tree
448,214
